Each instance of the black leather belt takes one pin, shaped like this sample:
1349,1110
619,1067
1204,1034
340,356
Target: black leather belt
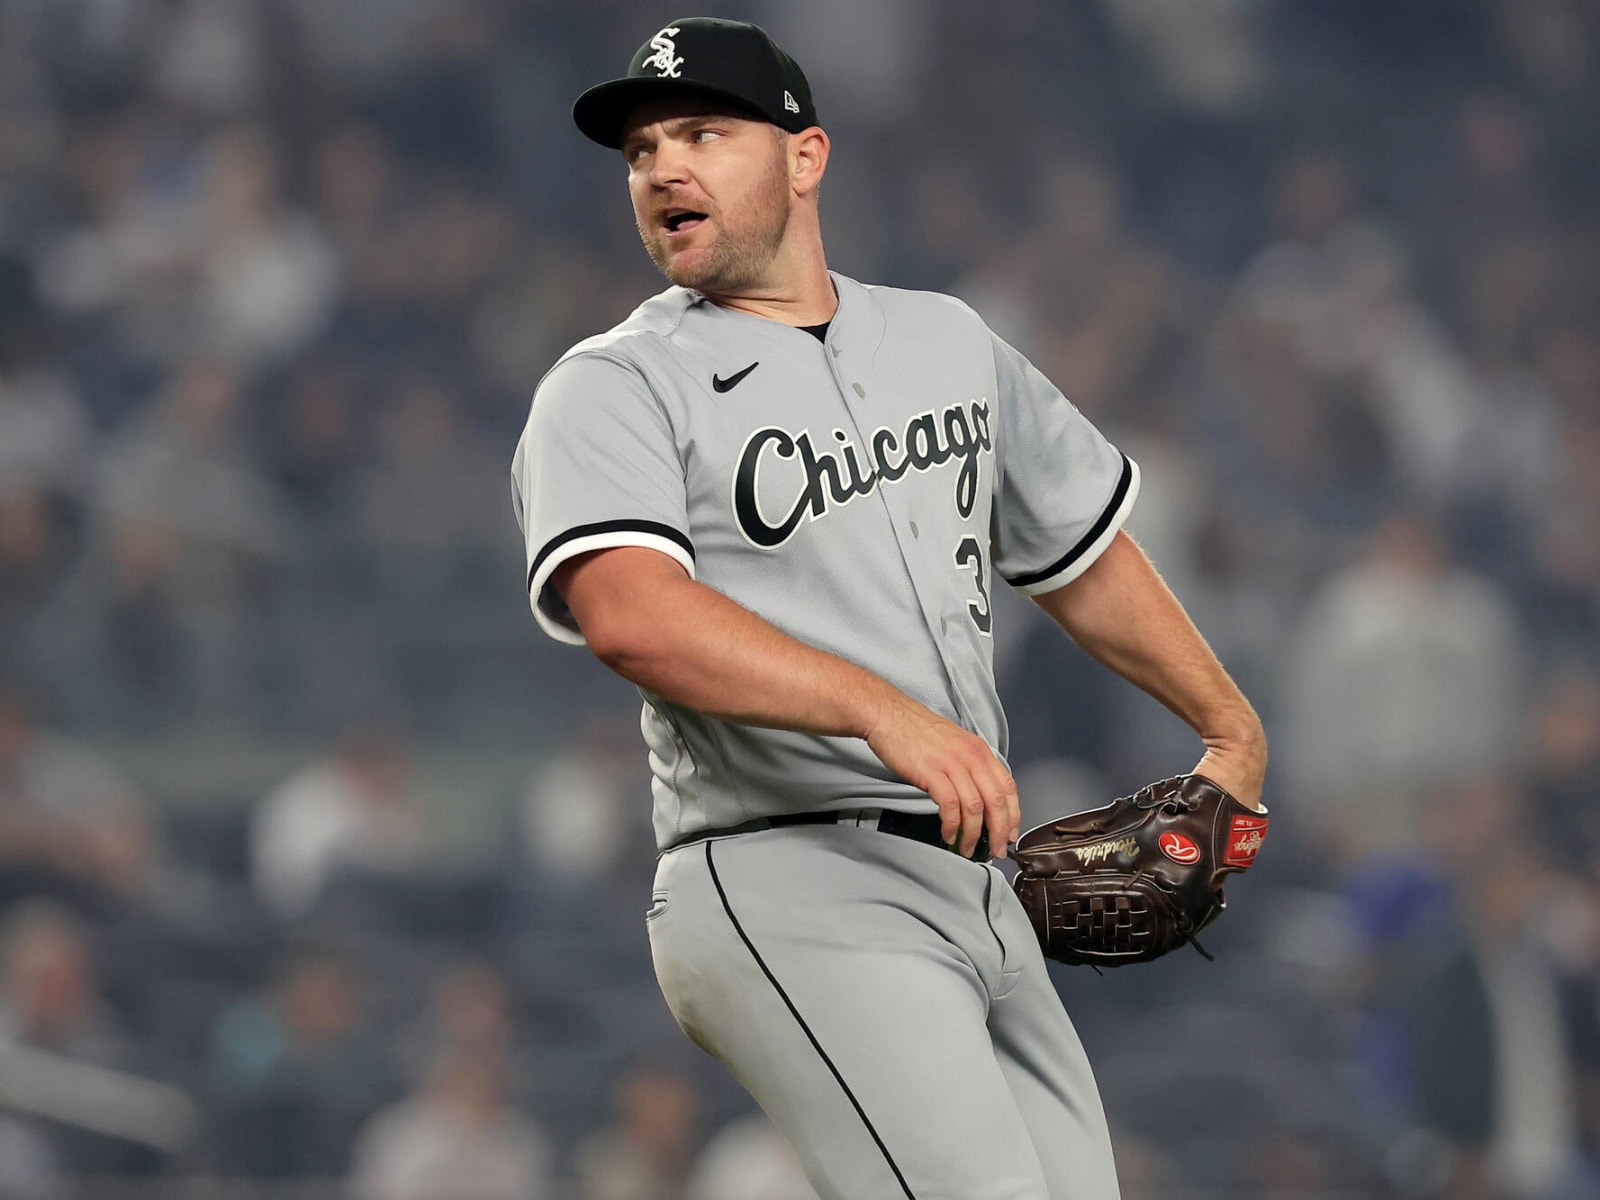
919,827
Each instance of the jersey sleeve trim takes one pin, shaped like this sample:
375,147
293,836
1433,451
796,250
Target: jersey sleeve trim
1078,560
549,609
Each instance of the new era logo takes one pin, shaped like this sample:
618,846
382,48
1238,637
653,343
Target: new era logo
790,103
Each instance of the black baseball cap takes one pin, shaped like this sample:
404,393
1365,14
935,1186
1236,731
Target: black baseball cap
708,57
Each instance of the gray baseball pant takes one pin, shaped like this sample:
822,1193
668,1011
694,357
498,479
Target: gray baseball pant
887,1004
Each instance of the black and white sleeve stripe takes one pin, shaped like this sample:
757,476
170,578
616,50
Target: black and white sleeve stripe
1090,546
548,607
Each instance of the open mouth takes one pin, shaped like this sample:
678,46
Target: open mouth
680,220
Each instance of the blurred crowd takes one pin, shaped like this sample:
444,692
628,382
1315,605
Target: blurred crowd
277,278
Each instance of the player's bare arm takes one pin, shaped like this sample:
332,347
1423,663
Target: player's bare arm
648,621
1123,615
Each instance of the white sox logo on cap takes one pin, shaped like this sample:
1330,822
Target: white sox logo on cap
731,61
666,59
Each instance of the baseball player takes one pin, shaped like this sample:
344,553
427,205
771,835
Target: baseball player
775,499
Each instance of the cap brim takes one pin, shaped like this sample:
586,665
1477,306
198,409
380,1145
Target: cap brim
602,112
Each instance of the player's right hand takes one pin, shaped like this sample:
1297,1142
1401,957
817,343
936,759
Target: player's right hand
957,768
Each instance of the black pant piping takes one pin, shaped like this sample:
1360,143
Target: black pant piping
806,1029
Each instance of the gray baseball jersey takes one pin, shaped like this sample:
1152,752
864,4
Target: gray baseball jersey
855,493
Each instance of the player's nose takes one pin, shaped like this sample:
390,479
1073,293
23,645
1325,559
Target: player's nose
668,165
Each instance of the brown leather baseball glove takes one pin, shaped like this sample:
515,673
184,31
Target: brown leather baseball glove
1128,882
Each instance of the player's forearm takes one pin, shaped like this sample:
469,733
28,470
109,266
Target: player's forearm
700,649
1124,616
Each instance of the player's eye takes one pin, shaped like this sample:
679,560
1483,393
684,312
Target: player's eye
703,135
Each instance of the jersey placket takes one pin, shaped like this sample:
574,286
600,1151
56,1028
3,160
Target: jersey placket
848,363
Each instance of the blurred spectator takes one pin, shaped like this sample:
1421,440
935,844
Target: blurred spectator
296,1072
1518,424
584,812
119,250
208,55
441,108
51,988
352,810
473,1009
44,430
318,441
748,1159
1204,53
1105,308
469,1017
357,189
28,1169
423,434
1566,591
268,275
869,59
1338,282
1477,987
1564,764
1320,239
1145,1170
70,824
1245,617
1196,533
193,529
1552,40
44,454
1493,192
366,44
462,240
33,551
551,290
648,1152
51,1000
1404,677
949,235
1298,459
457,1139
1287,1164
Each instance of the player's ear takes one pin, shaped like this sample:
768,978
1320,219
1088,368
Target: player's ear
808,159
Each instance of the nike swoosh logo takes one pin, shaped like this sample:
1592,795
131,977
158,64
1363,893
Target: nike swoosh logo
732,381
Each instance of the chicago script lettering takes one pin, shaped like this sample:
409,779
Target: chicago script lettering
830,477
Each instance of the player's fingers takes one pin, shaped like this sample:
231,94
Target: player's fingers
1013,814
957,797
1002,813
1002,827
945,796
972,816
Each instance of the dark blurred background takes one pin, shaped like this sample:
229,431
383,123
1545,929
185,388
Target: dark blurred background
321,870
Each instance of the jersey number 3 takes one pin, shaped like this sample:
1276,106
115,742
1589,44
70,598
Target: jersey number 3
969,554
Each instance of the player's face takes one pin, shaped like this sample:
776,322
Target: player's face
710,194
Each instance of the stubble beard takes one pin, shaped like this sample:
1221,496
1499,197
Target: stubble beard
741,252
